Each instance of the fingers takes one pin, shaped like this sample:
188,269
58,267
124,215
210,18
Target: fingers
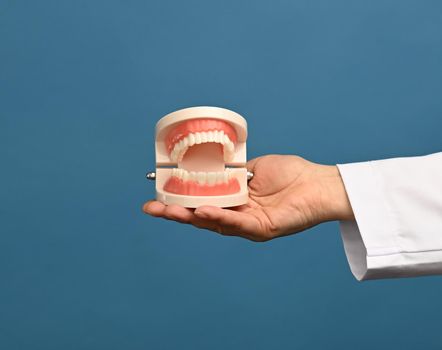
171,212
223,221
230,221
178,213
227,222
154,208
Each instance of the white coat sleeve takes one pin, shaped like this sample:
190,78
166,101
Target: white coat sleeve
397,205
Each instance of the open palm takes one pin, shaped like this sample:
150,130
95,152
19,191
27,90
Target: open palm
287,194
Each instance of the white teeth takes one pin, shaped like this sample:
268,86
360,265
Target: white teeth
197,138
211,178
203,178
218,136
221,137
191,139
174,154
185,176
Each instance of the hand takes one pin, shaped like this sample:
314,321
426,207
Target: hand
287,194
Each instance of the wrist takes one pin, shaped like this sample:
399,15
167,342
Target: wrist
334,200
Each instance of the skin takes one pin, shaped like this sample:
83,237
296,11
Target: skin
287,194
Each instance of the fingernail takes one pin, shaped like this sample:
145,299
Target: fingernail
146,207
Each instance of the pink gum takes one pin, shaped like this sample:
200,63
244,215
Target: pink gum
193,188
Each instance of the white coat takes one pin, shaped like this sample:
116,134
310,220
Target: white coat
397,205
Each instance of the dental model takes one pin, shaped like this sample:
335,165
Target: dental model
200,158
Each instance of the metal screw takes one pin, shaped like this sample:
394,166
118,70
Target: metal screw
151,175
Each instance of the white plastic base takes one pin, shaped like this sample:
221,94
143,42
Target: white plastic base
231,200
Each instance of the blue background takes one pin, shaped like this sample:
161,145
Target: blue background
82,84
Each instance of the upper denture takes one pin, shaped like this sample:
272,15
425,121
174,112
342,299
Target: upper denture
197,131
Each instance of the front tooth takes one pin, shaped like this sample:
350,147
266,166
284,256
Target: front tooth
198,138
211,178
210,136
220,136
192,176
191,139
186,142
180,173
201,177
203,137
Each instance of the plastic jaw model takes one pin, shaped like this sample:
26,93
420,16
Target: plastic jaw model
200,158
